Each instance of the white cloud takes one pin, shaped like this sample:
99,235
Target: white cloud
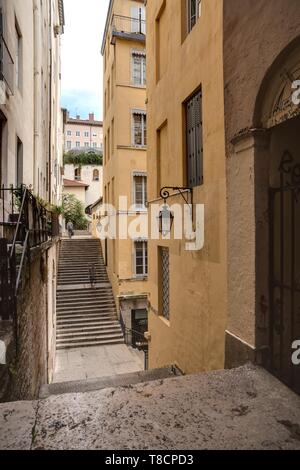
82,65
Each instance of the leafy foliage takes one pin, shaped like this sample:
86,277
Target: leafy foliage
87,158
73,211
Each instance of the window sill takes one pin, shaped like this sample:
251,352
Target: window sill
164,320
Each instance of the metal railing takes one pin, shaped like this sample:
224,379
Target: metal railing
25,224
127,25
6,65
136,339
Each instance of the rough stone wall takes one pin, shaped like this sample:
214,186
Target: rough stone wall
31,366
255,33
24,373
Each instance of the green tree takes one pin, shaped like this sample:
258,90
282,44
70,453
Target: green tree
73,211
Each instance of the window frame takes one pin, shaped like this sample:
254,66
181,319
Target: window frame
143,205
138,112
196,16
142,82
145,259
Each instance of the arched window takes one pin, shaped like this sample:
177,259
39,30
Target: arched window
96,175
78,174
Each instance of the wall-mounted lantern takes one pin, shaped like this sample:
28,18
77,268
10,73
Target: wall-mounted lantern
166,216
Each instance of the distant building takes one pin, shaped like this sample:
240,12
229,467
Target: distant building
85,182
83,134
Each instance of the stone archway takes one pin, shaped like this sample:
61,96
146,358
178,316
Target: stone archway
263,324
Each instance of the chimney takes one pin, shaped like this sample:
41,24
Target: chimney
92,117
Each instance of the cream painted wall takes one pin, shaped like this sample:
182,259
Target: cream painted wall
94,191
31,106
194,336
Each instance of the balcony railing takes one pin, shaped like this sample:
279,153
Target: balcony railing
128,28
6,65
25,224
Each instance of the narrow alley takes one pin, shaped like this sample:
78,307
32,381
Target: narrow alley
89,338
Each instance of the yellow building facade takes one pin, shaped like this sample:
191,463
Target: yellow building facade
186,149
125,161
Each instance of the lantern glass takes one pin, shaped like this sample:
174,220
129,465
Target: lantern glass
166,219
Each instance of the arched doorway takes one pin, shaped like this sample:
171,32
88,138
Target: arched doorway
278,233
284,250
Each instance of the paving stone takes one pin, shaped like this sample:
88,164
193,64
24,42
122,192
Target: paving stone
17,424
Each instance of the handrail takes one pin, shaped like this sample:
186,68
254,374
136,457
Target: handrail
18,223
22,260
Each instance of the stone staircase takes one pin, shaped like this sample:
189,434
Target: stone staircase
86,311
123,380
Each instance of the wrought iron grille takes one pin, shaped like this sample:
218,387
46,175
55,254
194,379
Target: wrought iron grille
165,287
285,271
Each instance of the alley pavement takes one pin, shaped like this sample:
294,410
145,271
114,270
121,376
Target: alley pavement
243,408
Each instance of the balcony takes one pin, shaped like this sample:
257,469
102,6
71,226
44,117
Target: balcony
6,66
124,27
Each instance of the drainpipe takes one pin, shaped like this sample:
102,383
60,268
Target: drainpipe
37,47
50,105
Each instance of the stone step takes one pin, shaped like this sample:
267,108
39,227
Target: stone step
82,325
94,306
87,343
89,334
123,380
82,303
88,317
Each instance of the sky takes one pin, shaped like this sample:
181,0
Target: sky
82,66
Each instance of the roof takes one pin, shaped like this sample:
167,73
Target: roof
75,184
90,208
84,122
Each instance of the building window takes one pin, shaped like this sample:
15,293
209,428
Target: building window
194,140
139,68
77,133
193,13
86,134
164,284
140,191
141,258
77,144
95,144
96,175
86,144
94,134
138,20
69,144
139,128
77,174
69,133
18,61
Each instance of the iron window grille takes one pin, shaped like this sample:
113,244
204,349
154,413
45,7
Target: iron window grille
165,282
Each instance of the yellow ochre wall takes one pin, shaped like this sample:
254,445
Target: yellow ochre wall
121,159
193,339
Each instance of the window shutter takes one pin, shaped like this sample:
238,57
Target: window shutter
198,139
135,14
191,144
194,141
